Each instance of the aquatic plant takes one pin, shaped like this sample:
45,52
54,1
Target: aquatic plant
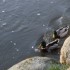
58,67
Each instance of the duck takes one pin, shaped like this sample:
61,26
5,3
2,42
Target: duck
43,47
61,32
53,45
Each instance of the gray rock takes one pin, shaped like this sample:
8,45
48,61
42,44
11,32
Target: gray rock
35,63
68,68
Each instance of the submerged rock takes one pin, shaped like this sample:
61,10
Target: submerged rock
65,52
35,63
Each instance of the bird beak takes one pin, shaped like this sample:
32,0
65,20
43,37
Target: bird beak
53,36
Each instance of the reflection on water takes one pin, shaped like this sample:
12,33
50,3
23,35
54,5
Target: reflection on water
23,23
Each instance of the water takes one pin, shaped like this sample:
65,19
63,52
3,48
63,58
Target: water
23,22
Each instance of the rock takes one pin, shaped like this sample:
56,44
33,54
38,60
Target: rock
68,68
65,52
35,63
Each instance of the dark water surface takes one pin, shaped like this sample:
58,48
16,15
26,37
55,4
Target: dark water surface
22,22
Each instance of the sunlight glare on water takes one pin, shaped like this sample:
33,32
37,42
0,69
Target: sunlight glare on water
43,25
12,31
38,14
4,24
60,20
17,49
3,11
3,0
32,47
14,43
11,41
51,2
